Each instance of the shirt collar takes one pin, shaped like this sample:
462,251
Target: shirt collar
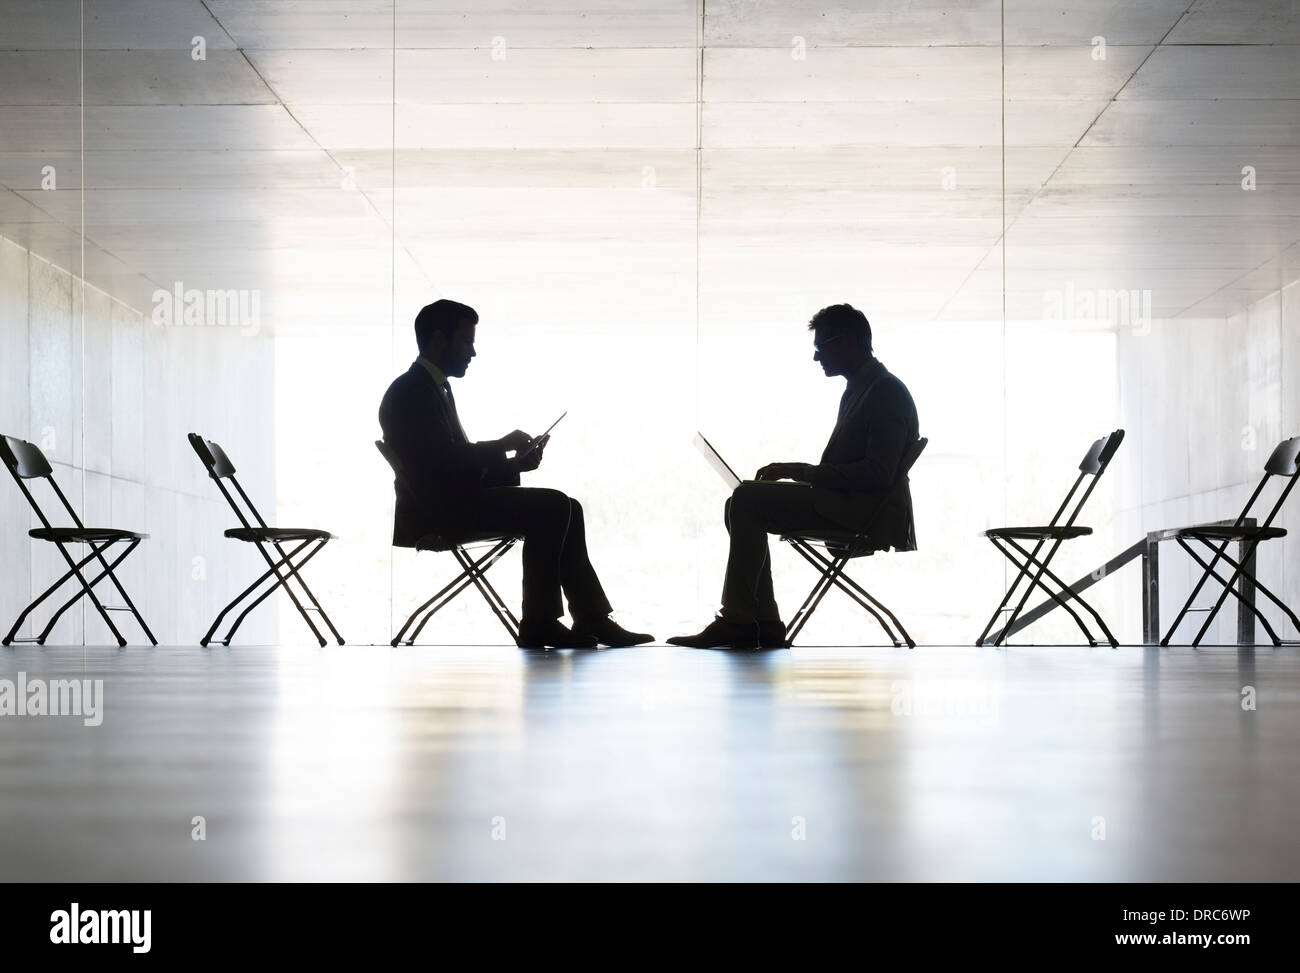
438,377
867,372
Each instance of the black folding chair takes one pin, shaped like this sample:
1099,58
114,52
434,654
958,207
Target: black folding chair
473,570
1284,462
1057,531
829,551
26,462
265,539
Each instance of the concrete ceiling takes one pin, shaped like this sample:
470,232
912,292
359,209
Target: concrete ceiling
545,159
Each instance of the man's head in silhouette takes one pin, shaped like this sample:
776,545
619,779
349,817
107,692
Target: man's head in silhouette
841,339
444,330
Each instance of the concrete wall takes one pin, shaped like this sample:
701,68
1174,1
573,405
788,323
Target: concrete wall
1204,402
110,397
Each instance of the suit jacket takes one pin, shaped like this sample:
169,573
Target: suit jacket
856,484
443,473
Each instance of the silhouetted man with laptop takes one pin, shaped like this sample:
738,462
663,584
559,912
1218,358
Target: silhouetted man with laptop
852,488
456,488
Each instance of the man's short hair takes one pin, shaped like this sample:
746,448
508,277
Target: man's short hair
843,319
445,316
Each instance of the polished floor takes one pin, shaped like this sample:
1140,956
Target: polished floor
474,763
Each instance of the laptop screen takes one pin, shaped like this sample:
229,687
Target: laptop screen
716,461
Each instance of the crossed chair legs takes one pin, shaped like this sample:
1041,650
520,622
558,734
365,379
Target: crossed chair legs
292,569
1240,570
473,571
87,590
831,570
1027,560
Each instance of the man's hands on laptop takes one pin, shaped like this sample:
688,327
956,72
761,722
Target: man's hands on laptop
784,471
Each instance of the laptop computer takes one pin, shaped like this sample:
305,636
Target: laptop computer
716,461
724,469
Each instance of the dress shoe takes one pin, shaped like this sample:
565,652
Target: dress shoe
549,633
606,631
721,634
771,635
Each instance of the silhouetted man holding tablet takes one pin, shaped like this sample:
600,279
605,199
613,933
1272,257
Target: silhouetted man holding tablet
454,488
850,488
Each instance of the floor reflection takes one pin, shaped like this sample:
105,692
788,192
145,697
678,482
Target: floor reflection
485,763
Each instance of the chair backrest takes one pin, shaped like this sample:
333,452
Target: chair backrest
24,459
1100,453
390,458
1094,464
429,542
213,457
219,467
910,456
1285,458
25,462
1284,461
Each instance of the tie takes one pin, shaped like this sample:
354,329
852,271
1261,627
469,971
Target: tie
845,399
451,404
849,393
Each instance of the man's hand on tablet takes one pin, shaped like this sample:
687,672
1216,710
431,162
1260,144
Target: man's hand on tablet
515,441
525,462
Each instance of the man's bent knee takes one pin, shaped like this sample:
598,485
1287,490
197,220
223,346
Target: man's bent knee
746,496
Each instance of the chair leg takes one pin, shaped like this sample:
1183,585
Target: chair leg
13,632
809,606
1295,622
834,574
1228,588
461,579
1248,574
293,571
461,582
1072,595
1006,598
107,572
1036,580
844,583
86,589
489,593
1219,553
1002,634
282,582
244,594
122,591
506,613
1245,574
482,564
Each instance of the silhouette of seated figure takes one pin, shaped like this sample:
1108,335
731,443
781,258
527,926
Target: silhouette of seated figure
456,489
851,487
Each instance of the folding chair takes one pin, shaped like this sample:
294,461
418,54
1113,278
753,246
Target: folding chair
1284,462
266,539
26,462
1057,531
473,570
837,547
